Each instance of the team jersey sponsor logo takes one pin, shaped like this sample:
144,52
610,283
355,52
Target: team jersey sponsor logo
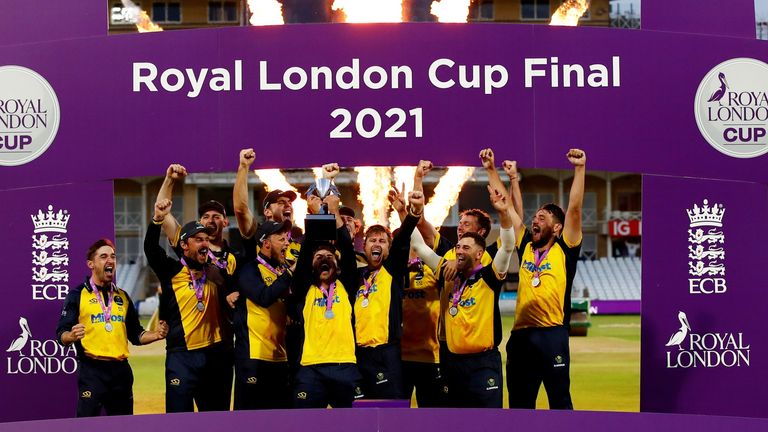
531,267
322,301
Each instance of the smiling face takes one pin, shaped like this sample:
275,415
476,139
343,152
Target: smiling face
102,264
214,221
544,228
468,254
280,210
196,247
376,247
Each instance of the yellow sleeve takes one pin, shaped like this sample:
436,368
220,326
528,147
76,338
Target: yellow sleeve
519,237
572,244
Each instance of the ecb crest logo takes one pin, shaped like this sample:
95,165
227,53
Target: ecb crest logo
29,115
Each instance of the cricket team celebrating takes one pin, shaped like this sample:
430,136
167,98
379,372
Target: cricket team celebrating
306,321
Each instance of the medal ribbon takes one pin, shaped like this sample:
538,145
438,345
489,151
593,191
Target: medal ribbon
275,271
107,309
538,259
222,264
330,294
368,285
456,296
199,284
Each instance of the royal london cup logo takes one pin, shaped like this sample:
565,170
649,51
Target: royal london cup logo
29,356
29,115
731,108
689,349
706,249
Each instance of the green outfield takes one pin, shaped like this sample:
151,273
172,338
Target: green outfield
605,368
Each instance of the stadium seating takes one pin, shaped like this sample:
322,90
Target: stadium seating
127,277
608,279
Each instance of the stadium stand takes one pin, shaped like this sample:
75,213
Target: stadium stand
608,279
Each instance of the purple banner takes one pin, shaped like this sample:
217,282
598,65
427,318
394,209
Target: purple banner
197,97
402,420
702,337
614,307
49,230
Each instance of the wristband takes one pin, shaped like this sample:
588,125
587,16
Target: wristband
160,222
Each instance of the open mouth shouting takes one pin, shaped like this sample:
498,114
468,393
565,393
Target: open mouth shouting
109,271
376,254
203,253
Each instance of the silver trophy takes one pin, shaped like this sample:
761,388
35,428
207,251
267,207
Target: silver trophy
321,226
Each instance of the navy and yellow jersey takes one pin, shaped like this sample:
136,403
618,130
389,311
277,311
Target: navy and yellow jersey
548,304
380,321
260,313
320,340
476,327
421,311
447,251
82,306
226,255
189,328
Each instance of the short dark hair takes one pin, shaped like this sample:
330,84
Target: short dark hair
482,219
97,245
479,240
324,246
376,229
555,211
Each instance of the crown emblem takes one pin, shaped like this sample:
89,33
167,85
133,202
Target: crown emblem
706,215
50,221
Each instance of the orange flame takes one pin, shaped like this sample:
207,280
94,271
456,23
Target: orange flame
274,179
446,194
370,11
569,12
450,11
265,12
145,25
374,185
403,175
134,13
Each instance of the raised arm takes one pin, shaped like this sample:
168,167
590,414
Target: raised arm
510,167
427,230
501,202
347,261
397,201
572,228
397,261
495,184
174,174
243,213
430,258
156,256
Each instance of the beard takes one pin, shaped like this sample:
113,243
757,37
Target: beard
545,235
